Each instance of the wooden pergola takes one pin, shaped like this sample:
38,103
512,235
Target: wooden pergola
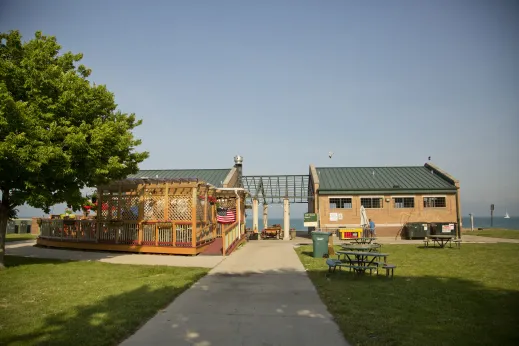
169,216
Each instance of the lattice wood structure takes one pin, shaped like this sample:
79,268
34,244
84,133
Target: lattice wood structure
170,216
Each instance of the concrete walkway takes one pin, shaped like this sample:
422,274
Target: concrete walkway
260,295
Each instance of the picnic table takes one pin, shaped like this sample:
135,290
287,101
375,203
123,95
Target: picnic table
360,247
362,240
440,239
272,232
360,261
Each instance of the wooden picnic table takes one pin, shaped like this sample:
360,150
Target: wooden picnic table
360,261
271,232
360,247
440,239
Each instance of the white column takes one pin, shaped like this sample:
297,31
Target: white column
286,219
254,215
265,215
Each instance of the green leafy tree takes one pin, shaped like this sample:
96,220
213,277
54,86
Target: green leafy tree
59,133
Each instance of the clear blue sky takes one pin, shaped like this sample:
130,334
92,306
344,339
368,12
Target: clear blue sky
284,82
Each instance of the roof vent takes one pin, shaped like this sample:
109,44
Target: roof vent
396,186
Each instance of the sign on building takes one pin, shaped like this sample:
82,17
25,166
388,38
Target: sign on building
310,220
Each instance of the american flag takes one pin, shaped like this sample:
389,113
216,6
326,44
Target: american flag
226,215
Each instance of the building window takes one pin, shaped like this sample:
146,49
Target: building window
340,203
434,202
371,202
404,202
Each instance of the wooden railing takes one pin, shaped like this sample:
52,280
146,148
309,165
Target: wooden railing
69,230
130,232
204,233
230,236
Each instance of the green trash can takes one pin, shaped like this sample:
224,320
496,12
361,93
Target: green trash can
320,244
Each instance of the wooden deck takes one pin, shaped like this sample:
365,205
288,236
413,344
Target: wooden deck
124,247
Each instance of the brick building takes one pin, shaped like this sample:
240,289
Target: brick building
392,196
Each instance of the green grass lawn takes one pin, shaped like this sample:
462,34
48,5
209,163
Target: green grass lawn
496,233
51,302
18,237
467,296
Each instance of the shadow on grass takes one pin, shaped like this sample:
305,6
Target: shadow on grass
11,261
417,310
107,321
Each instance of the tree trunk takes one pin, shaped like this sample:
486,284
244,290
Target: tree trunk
4,218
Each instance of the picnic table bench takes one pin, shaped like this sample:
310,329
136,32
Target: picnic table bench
360,247
360,261
333,264
271,232
441,240
362,240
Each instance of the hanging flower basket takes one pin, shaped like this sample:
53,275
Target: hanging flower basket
210,199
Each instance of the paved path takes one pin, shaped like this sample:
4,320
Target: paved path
260,295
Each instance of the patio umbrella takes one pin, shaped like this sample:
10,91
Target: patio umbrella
364,221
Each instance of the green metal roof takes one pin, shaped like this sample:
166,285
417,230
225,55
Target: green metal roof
381,179
214,177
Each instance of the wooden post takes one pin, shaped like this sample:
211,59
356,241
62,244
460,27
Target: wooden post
109,207
206,204
119,203
223,242
194,190
166,202
99,217
215,224
140,218
156,234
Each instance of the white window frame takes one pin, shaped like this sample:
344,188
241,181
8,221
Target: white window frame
338,197
413,197
381,197
434,196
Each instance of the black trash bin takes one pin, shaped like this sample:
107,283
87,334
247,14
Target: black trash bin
416,230
444,228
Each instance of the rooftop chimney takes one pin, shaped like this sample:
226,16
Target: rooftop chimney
238,160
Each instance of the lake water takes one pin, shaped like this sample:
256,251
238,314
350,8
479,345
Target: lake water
483,222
